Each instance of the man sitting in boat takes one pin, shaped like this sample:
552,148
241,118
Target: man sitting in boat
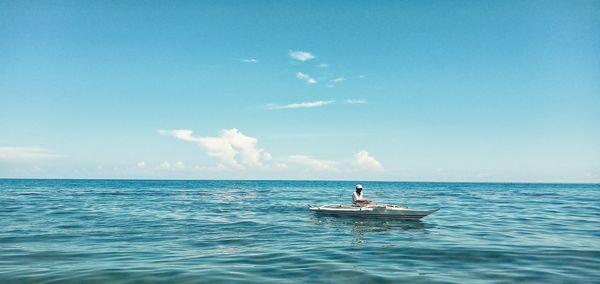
357,197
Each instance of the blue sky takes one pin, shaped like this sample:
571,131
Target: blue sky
393,90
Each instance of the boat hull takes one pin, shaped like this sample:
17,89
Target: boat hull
377,211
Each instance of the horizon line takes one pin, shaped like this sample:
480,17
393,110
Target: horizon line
309,180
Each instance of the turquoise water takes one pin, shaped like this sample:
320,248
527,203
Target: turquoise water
110,231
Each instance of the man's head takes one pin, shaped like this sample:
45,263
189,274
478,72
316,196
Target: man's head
358,188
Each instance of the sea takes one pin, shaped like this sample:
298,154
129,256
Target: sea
158,231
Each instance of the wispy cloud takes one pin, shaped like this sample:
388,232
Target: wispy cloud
233,148
361,76
356,101
301,55
323,65
306,78
165,165
300,105
179,165
338,80
250,60
365,161
312,163
25,153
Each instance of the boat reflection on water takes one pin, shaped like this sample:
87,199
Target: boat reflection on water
361,227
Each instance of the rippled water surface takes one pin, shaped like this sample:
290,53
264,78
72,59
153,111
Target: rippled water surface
109,231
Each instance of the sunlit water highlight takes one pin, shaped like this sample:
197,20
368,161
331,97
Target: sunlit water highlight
108,231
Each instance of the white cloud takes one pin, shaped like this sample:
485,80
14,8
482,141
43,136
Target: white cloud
300,105
314,164
162,167
361,76
323,65
236,151
358,101
365,161
182,134
306,78
250,60
267,156
301,55
338,80
232,148
302,76
25,153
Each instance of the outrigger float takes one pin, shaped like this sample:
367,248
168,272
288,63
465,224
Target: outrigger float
372,211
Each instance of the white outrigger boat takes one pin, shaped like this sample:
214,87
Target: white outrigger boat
373,210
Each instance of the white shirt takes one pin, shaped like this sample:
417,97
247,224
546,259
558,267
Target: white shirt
357,197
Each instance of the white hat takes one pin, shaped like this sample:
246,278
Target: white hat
359,186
